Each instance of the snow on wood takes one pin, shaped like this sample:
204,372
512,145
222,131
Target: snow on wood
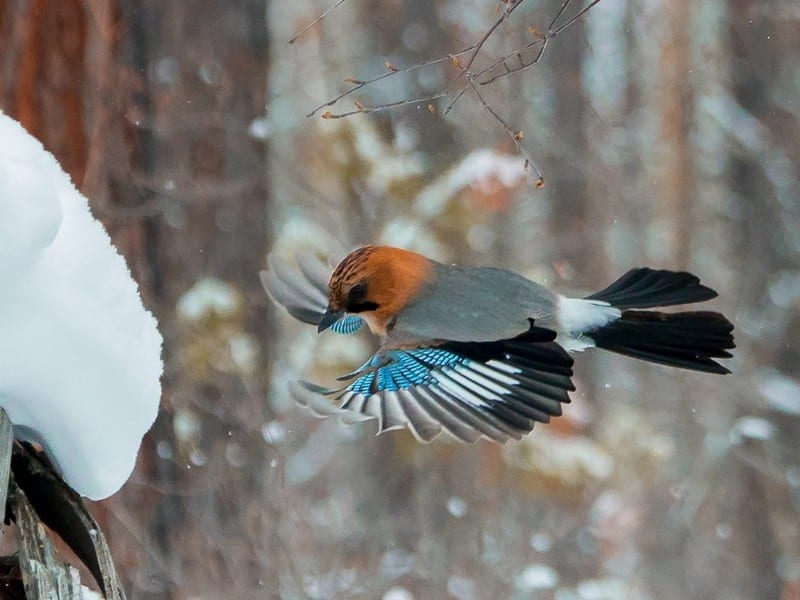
80,358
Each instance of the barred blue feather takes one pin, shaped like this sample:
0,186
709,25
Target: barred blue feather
347,324
401,369
496,390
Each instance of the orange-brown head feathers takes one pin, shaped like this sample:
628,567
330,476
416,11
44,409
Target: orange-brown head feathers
376,282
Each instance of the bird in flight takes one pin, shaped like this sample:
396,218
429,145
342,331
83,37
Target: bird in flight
481,351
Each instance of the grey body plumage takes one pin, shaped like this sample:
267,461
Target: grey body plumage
473,304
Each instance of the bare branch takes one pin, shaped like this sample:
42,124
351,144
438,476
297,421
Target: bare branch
560,12
551,33
515,135
508,70
361,109
452,102
518,54
515,61
511,6
358,84
523,63
543,40
293,39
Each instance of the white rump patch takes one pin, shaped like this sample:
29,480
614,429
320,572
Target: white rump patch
576,316
576,343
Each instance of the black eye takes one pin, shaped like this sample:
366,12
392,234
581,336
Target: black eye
357,299
357,293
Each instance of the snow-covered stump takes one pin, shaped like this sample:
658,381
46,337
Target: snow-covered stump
80,367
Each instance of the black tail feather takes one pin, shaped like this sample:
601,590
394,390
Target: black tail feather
689,340
648,288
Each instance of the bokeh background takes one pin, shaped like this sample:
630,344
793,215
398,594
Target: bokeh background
667,133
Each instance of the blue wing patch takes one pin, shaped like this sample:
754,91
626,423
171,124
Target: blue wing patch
496,390
401,369
348,324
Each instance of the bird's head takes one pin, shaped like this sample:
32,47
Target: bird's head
375,283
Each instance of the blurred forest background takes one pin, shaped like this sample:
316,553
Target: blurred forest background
667,133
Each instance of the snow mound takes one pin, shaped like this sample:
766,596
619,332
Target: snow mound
80,357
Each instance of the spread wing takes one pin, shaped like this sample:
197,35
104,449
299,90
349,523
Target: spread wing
302,290
496,390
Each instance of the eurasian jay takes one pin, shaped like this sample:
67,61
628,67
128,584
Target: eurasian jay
479,351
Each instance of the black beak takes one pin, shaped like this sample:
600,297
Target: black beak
329,318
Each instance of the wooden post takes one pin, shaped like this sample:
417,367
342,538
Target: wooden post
6,444
44,575
37,496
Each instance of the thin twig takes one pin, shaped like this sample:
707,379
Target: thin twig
293,39
508,71
358,84
522,64
510,8
553,33
371,109
542,41
560,12
452,102
472,79
475,48
518,53
516,136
